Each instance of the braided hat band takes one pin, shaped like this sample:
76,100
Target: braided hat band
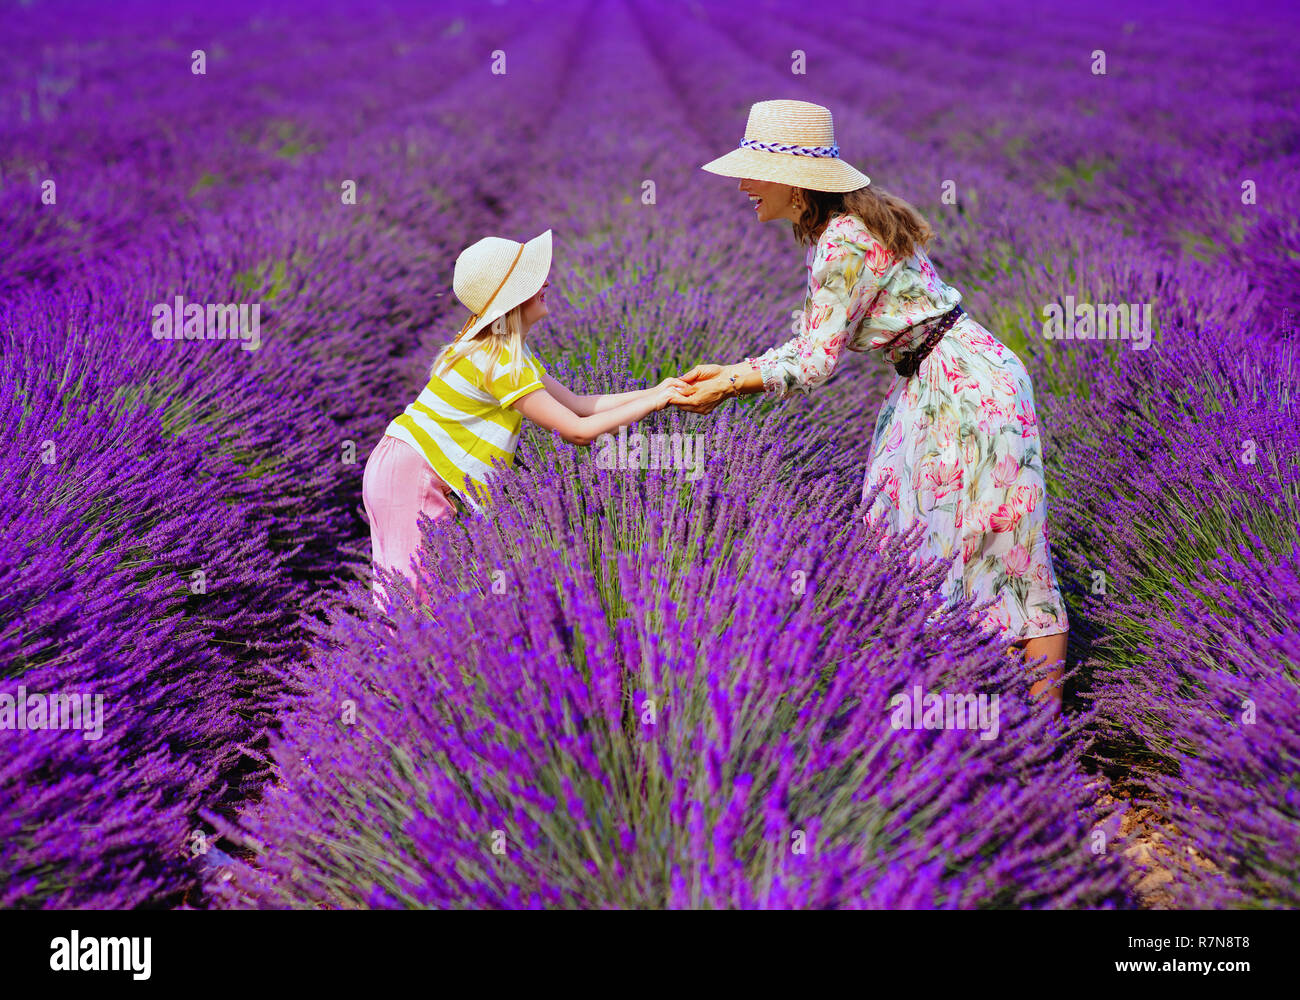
781,147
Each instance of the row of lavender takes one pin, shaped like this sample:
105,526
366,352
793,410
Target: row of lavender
172,508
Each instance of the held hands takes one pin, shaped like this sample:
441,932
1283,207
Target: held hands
709,385
671,390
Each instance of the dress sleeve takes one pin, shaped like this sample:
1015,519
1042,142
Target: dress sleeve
847,272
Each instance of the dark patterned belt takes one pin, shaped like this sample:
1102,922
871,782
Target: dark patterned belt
910,363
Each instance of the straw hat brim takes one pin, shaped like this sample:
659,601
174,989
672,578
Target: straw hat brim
810,172
525,281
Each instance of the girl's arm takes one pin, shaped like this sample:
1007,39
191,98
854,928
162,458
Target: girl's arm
585,406
542,408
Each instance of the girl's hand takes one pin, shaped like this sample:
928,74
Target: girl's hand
669,391
674,382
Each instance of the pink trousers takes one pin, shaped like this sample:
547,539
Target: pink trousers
398,486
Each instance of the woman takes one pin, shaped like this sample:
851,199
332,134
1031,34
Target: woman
956,444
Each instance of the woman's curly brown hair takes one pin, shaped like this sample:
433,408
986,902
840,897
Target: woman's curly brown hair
899,226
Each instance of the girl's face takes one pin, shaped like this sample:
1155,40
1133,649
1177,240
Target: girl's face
535,308
770,199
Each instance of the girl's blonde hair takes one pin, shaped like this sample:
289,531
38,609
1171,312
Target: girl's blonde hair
503,332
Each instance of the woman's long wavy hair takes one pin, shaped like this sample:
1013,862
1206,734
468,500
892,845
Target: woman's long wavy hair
505,331
899,226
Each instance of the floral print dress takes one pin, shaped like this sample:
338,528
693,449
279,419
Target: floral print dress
956,446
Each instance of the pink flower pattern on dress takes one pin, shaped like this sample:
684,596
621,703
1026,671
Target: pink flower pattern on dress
957,446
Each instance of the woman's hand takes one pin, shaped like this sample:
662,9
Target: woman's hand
707,394
706,389
714,383
702,372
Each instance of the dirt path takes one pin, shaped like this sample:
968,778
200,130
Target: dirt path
1146,840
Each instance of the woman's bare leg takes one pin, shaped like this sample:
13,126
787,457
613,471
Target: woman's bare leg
1053,647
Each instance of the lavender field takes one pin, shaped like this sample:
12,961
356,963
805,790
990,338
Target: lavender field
627,689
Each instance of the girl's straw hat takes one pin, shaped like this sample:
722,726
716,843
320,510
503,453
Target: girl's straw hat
495,275
790,142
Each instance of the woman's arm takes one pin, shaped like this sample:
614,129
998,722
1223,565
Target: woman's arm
585,406
542,408
842,284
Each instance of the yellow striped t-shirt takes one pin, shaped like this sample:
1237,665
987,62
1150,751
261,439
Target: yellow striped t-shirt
461,421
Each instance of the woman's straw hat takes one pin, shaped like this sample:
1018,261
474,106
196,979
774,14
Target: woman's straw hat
790,142
495,275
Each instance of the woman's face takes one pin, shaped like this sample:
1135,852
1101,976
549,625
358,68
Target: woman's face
771,200
535,308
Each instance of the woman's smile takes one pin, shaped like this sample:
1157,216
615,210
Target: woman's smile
771,200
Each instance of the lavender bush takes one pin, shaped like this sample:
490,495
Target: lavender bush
1183,546
677,695
1234,799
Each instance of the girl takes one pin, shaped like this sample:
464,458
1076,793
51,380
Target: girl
956,444
480,388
